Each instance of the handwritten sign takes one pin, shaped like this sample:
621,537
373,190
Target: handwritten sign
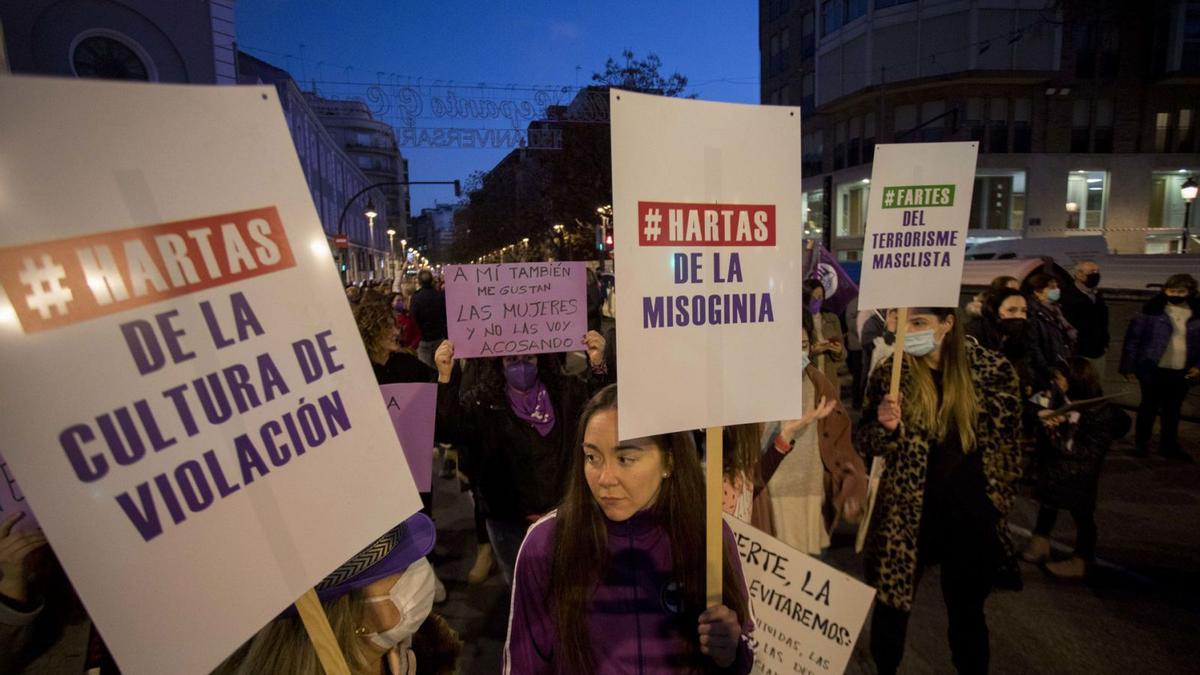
516,308
215,422
807,615
412,407
917,217
710,266
12,500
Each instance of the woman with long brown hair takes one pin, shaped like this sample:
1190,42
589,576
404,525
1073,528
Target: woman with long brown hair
613,582
950,440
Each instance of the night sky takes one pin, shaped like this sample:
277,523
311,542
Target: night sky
444,47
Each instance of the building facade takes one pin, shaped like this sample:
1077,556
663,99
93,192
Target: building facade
433,232
1084,111
372,146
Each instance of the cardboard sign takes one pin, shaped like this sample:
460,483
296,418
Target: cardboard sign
920,206
186,398
12,500
807,615
516,308
709,312
412,408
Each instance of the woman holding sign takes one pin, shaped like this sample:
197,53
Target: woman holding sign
613,582
950,439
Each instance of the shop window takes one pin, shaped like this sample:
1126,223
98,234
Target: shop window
852,201
1086,199
998,202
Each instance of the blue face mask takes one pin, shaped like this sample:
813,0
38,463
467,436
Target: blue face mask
1054,294
919,343
804,360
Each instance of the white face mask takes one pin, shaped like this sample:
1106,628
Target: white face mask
412,594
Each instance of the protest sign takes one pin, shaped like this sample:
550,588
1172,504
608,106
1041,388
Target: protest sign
807,615
412,407
709,257
917,216
516,308
187,402
12,500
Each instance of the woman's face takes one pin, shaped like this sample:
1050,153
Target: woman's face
389,338
923,322
1044,294
818,293
624,477
379,616
1014,307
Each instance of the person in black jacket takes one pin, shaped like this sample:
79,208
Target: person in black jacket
1084,306
1055,336
1069,465
428,308
517,426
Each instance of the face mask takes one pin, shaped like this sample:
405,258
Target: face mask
1012,327
521,375
412,594
805,359
1092,280
1176,299
1054,294
814,306
398,306
919,343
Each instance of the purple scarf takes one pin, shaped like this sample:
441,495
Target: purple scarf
533,406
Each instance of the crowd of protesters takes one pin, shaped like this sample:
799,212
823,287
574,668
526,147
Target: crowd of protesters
584,526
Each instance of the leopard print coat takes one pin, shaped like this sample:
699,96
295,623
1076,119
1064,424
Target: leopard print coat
890,554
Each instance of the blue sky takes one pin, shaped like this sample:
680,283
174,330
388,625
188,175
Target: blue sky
347,46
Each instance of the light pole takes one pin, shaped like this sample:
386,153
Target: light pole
371,213
1188,192
391,233
404,257
558,238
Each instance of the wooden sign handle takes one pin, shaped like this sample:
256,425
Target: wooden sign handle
321,634
714,472
878,465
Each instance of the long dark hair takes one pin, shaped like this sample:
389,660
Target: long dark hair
581,544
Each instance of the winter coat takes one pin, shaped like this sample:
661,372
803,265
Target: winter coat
1090,319
632,625
1071,456
1149,333
428,308
891,547
831,329
1052,341
845,473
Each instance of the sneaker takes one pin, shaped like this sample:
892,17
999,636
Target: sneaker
1037,551
1071,568
485,562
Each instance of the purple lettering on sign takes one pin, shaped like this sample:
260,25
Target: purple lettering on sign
516,308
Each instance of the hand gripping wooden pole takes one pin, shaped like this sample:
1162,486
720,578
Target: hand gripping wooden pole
714,479
877,463
321,634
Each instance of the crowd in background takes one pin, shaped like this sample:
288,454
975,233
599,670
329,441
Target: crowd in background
597,536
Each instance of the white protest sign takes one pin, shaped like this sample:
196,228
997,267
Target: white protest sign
187,403
706,202
920,205
807,615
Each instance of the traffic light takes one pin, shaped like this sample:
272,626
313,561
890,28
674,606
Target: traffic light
608,240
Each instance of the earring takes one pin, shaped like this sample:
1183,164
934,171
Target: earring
667,474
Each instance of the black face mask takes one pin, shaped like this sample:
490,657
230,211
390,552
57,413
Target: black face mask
1177,299
1012,327
1092,280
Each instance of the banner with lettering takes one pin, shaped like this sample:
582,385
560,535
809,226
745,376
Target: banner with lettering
917,217
412,406
706,203
187,402
807,615
507,309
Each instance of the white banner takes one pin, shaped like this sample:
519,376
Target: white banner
807,615
187,402
920,205
706,203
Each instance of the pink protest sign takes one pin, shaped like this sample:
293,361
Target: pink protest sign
13,500
412,407
516,308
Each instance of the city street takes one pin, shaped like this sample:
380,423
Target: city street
1138,612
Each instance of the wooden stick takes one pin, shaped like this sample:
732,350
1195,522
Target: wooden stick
321,634
715,492
877,463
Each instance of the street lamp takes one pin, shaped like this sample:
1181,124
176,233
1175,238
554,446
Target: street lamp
391,233
1072,215
1188,192
558,238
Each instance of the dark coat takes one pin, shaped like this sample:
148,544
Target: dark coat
1090,319
428,307
1050,344
1149,333
1071,456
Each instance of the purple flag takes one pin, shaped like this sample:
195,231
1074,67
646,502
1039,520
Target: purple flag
840,289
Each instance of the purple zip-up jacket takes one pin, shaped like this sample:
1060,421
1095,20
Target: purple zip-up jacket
633,624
